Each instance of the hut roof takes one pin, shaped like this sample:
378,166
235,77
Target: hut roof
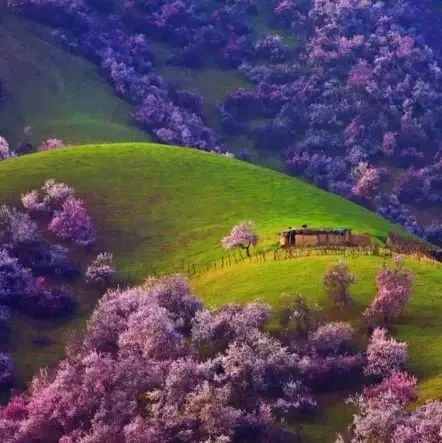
316,231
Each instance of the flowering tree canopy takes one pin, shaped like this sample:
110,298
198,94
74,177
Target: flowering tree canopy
137,376
73,222
102,269
393,291
384,355
4,149
50,144
241,236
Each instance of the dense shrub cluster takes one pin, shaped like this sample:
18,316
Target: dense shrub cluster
382,413
156,366
69,218
5,151
25,258
50,144
366,90
31,266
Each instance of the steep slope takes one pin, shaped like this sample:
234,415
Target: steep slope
54,92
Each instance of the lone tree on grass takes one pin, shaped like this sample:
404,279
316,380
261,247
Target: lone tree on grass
393,291
241,236
337,279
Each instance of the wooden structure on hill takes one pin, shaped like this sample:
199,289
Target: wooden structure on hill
310,237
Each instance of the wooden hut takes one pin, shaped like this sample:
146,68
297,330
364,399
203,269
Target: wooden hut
304,237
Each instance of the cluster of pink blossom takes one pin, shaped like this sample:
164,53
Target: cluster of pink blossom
16,227
332,338
382,414
72,222
69,217
385,355
140,376
50,144
394,287
242,236
49,198
5,151
330,357
102,269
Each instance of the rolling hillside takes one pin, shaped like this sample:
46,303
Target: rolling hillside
159,206
55,92
156,207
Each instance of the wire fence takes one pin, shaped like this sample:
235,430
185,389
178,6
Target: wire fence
262,256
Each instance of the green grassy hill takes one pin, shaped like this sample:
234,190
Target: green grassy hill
156,207
55,92
161,205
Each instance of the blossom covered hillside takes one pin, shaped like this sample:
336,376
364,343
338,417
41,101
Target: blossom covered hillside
349,93
353,325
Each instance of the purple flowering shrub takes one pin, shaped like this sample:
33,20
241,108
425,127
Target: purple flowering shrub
16,227
6,370
384,355
49,198
69,217
15,280
331,338
102,269
135,348
383,413
5,151
44,301
72,222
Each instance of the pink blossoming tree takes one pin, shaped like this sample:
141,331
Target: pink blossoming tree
241,236
50,144
384,355
394,285
102,269
73,222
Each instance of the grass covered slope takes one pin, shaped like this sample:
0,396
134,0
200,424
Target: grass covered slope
157,205
160,205
55,92
420,326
